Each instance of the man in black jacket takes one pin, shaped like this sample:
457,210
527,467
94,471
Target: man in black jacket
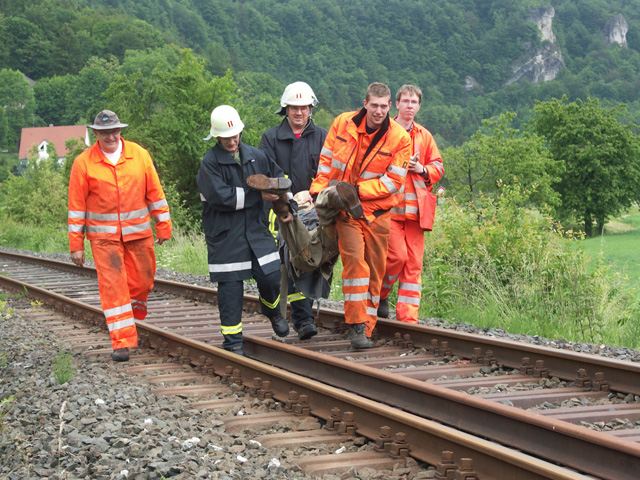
295,145
239,243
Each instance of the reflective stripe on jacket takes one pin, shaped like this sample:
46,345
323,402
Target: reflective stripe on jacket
383,170
109,201
421,141
233,218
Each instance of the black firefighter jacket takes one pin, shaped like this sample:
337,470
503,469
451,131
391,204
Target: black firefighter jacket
232,213
298,158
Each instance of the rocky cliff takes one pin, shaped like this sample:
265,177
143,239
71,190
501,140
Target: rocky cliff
539,64
615,30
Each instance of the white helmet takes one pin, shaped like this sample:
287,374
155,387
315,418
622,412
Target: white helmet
298,93
225,122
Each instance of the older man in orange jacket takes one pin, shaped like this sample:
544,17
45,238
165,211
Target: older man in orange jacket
365,157
414,214
114,191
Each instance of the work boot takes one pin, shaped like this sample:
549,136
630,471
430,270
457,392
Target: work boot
307,331
280,325
263,183
120,355
238,350
333,199
349,196
358,337
383,308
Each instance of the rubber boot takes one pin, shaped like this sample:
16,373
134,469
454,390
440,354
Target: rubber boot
349,196
383,308
358,337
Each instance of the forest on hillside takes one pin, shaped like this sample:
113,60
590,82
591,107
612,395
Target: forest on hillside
74,49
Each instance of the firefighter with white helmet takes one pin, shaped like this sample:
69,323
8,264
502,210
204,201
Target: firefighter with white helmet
239,243
295,144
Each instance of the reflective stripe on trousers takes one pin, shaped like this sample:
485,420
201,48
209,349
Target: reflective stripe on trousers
363,249
125,277
404,263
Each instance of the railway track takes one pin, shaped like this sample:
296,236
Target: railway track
515,410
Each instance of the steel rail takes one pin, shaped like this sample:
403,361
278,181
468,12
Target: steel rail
621,376
425,438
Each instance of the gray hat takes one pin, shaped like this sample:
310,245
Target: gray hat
107,120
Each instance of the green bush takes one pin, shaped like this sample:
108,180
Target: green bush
504,266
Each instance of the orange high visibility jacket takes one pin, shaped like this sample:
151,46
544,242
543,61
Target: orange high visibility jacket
116,202
382,170
416,185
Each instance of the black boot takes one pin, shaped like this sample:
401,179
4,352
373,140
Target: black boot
358,337
383,308
305,332
280,325
120,355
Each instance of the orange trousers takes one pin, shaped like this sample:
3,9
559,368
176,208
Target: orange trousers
125,278
404,264
363,249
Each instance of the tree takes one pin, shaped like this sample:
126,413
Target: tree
16,96
169,114
601,158
499,155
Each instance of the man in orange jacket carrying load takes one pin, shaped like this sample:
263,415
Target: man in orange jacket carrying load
363,166
413,215
114,191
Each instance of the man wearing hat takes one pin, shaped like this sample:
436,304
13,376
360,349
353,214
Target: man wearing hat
295,145
114,191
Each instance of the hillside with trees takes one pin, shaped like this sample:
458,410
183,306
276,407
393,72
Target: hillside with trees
338,46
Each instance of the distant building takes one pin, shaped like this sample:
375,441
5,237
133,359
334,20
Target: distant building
43,136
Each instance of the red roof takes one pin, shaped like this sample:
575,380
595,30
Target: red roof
56,135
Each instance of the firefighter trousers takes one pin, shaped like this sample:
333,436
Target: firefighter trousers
231,297
125,278
404,265
363,249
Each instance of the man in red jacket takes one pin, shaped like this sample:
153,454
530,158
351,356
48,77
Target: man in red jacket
114,191
363,165
414,214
